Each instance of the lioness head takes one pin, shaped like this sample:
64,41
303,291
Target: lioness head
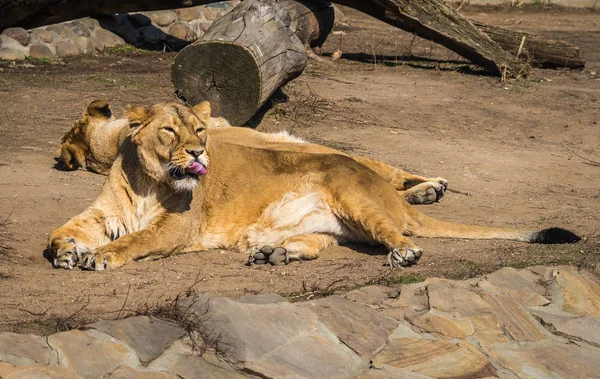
171,142
74,145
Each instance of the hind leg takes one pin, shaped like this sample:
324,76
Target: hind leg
415,189
302,247
380,221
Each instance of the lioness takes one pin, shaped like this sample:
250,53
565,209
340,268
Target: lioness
173,188
94,140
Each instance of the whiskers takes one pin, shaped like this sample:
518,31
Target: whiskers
174,170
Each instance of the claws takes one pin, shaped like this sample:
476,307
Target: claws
397,259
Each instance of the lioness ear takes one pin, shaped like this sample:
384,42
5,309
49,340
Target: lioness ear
202,110
136,115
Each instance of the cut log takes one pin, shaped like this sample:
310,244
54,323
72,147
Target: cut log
538,51
249,53
438,22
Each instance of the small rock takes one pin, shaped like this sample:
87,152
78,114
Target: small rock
187,14
25,349
43,35
139,20
105,39
62,30
84,44
65,49
18,34
163,18
182,31
40,51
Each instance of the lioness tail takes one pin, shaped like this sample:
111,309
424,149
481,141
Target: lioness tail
425,226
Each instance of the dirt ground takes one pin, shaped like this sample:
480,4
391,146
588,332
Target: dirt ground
527,152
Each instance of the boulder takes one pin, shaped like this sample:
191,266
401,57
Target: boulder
65,49
18,34
40,51
163,18
43,35
187,14
62,30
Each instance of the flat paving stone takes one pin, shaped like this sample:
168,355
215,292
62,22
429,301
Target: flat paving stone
277,339
580,291
90,354
25,350
179,359
581,328
363,329
8,371
126,372
147,336
438,359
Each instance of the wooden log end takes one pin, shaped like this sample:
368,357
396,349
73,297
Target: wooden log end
225,74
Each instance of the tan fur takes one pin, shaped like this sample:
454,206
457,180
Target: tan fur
98,140
275,205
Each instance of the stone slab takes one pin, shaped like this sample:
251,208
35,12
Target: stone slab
363,329
89,355
147,336
25,350
438,359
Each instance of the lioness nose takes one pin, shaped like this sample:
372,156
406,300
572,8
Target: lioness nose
195,152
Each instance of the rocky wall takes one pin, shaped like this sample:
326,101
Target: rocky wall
169,29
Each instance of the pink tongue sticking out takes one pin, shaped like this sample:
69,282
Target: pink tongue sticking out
197,168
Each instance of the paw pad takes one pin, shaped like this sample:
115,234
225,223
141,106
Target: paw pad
271,255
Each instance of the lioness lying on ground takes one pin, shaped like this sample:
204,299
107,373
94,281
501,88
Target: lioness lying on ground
93,142
173,188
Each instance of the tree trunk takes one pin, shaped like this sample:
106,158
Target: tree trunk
538,51
438,22
431,19
249,53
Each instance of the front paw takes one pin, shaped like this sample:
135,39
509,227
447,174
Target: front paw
98,261
403,257
65,251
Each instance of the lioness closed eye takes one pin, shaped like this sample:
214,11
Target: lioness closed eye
174,188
